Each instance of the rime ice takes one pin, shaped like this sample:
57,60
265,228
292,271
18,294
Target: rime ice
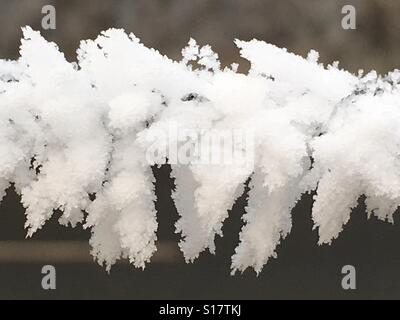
74,137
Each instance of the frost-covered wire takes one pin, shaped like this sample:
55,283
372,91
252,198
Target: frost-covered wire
76,137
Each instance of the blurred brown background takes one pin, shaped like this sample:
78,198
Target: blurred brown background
303,270
168,24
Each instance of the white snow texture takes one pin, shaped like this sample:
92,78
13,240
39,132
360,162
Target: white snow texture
73,138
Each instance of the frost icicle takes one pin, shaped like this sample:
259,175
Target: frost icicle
81,138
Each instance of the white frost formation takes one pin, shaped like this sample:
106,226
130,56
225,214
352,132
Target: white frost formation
74,136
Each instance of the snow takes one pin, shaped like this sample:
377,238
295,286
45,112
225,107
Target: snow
81,137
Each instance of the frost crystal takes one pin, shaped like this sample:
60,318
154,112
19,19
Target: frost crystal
81,138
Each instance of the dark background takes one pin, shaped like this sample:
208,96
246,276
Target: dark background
302,270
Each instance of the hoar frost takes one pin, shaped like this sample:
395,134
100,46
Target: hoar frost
74,137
